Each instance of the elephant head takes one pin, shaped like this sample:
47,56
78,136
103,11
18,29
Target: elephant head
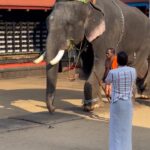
69,21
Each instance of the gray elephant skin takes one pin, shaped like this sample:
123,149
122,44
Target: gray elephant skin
105,24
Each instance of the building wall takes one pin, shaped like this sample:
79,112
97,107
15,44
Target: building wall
24,32
22,35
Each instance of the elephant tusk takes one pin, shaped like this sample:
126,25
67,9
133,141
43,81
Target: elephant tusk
58,57
39,59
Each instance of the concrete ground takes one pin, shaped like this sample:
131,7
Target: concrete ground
26,124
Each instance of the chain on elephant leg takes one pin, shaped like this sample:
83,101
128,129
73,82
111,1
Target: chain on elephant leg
92,95
91,104
143,88
146,93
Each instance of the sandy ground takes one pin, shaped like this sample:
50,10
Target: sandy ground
27,95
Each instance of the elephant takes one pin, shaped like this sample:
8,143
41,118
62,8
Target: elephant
104,24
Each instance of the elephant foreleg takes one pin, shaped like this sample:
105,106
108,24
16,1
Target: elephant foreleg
92,93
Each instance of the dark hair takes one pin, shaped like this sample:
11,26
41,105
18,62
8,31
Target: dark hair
112,50
122,58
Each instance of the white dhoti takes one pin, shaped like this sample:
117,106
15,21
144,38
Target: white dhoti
121,125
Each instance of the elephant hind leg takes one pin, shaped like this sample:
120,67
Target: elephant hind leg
143,79
140,85
143,84
146,87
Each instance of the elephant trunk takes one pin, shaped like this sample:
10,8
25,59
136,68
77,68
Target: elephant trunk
51,73
54,53
51,86
52,69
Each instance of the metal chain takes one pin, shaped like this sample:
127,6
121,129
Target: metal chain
123,24
80,51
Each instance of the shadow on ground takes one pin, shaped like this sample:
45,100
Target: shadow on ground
9,97
16,108
140,134
143,101
22,100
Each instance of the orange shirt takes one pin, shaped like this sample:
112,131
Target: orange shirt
114,64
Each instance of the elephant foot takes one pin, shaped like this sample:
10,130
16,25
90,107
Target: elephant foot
90,106
51,109
144,96
50,106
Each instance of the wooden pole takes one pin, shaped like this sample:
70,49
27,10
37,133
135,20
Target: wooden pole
100,84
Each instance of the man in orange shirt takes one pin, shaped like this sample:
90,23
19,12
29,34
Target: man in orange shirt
110,63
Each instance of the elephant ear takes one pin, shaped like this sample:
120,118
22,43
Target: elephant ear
95,23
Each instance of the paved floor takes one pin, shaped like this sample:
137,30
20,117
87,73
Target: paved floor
26,124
